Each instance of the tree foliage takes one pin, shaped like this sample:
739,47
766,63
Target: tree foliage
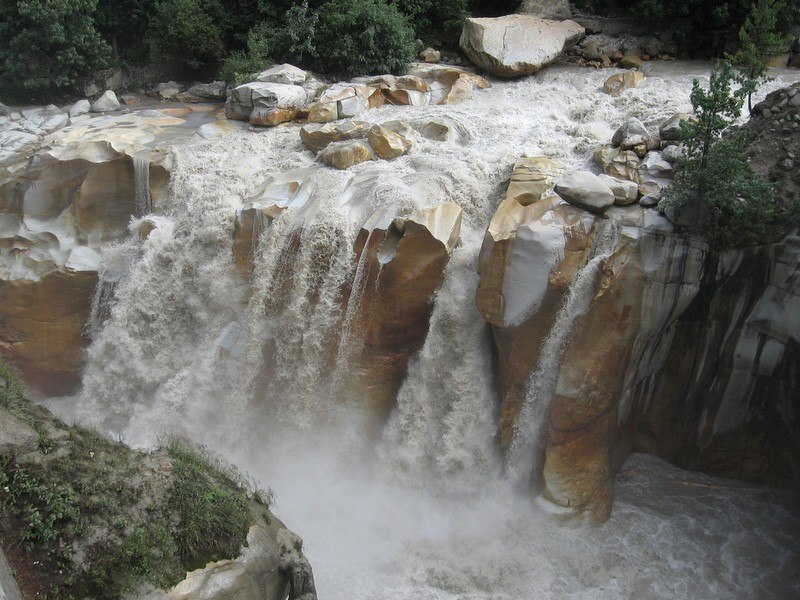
435,19
359,37
758,39
46,46
715,110
730,204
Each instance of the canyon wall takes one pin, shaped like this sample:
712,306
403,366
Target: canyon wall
660,345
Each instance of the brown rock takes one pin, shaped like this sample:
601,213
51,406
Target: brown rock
343,155
42,328
388,144
316,137
622,81
323,112
631,60
429,55
273,116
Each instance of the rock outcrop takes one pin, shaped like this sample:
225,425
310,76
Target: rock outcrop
516,45
402,263
285,93
58,207
660,345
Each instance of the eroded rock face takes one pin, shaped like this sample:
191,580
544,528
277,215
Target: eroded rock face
58,207
402,263
271,567
516,45
671,349
42,328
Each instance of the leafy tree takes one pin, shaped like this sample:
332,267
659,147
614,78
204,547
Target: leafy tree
292,40
758,39
187,32
360,37
123,23
435,18
716,109
47,46
733,205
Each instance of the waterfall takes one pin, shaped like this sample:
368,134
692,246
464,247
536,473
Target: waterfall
183,344
444,425
523,455
141,182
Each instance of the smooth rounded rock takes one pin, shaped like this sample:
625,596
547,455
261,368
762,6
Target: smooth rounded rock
107,102
585,190
343,155
387,144
516,45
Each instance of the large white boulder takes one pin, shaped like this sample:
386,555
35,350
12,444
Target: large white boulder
48,118
108,102
286,73
516,45
262,97
81,107
586,190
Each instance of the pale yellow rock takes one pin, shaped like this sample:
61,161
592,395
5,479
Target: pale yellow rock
621,164
387,144
411,82
622,81
343,155
429,55
631,60
273,116
316,137
323,112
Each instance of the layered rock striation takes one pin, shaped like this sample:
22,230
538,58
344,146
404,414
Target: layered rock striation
621,333
60,205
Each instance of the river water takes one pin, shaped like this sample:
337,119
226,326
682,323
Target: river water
424,511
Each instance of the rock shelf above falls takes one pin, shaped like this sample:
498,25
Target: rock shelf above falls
316,284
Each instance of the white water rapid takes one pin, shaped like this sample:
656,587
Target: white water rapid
183,346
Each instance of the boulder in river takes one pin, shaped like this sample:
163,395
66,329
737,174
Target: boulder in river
516,45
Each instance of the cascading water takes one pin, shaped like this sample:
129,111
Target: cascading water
141,180
524,451
187,347
444,425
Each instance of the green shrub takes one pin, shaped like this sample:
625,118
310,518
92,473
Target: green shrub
361,37
736,206
732,206
46,47
432,19
213,509
758,39
186,32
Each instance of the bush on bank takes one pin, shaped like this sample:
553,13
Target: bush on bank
83,516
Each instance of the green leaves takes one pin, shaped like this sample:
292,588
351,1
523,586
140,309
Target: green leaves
758,39
48,46
715,108
734,205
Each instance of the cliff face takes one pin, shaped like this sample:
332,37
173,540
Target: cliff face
620,334
58,208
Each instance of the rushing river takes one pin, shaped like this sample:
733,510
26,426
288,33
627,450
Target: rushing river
180,346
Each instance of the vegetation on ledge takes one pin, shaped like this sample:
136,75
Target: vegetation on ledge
83,516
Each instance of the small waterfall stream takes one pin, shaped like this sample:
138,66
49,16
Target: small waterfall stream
525,447
141,180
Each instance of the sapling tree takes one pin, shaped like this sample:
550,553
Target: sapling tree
715,109
758,39
732,205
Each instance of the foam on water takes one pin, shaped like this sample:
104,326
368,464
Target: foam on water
181,345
